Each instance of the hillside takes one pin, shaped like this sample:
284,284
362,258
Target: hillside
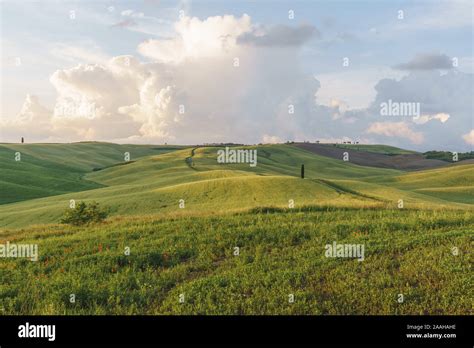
452,183
407,252
190,251
379,156
381,149
53,169
156,183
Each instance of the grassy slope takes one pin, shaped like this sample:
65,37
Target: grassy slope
54,169
453,183
406,251
190,250
383,149
155,184
36,176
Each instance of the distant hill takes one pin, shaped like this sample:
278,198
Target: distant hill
421,251
158,177
53,169
379,156
448,156
382,149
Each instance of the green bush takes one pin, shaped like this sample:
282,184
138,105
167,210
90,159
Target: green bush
83,214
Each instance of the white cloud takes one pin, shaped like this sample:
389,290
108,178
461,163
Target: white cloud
190,91
469,137
198,39
338,140
271,139
109,86
37,123
124,99
32,111
442,117
396,129
340,107
32,122
132,13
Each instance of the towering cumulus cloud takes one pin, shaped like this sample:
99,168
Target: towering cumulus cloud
218,79
227,79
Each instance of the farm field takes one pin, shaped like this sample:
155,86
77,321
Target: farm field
211,238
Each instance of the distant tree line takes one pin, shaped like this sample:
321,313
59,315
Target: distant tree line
448,156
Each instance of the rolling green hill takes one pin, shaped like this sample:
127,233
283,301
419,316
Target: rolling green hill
382,149
156,183
453,183
190,251
453,175
407,252
53,169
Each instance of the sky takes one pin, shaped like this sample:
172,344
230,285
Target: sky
268,71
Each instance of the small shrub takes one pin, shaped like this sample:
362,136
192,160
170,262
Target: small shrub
83,214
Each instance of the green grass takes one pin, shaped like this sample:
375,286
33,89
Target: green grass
382,149
155,184
282,253
461,194
54,169
190,250
448,156
453,175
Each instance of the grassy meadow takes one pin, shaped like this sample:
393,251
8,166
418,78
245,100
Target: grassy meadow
182,257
